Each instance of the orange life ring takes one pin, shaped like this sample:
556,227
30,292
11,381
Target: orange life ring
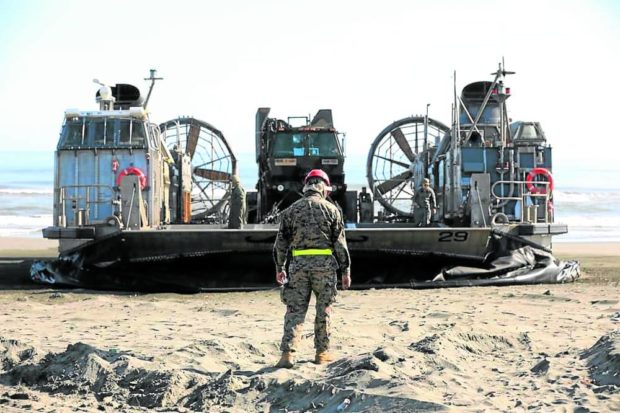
132,170
529,180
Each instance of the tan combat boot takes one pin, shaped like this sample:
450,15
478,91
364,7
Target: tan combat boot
324,357
286,361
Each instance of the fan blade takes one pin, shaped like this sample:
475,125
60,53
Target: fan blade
393,182
212,175
400,139
404,165
192,140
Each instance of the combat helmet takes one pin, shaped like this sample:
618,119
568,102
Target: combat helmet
318,173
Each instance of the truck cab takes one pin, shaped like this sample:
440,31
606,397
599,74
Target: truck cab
286,153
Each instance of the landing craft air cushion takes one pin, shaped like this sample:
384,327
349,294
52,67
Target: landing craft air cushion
146,202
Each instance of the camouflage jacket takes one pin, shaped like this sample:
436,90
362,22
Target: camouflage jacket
311,222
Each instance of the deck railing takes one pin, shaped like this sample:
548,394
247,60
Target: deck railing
527,199
82,199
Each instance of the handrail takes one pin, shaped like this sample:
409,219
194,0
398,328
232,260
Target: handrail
79,199
546,195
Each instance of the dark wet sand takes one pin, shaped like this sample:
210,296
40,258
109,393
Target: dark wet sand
600,260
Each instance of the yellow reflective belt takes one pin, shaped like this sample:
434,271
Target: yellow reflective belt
326,251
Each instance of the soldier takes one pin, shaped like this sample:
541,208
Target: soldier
238,211
425,204
312,232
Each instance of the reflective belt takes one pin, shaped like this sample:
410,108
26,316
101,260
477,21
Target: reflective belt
312,251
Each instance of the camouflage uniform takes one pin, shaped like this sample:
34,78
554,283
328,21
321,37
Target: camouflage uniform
238,211
312,222
424,200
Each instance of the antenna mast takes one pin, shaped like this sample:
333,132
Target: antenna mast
152,78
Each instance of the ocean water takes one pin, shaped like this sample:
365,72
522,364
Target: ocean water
26,189
591,211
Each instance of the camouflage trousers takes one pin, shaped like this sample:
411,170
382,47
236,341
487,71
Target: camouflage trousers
306,275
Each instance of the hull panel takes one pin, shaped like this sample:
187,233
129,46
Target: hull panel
193,241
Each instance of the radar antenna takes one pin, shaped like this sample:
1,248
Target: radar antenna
105,97
152,78
501,71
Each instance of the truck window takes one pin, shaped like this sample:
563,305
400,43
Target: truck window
305,144
323,144
287,145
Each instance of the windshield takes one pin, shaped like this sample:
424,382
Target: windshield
305,144
102,132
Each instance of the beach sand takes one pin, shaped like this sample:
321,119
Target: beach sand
514,348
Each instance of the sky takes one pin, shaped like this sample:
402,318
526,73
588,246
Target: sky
371,62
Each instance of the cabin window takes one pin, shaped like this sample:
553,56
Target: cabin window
72,133
109,131
138,133
103,132
528,131
132,133
97,129
124,137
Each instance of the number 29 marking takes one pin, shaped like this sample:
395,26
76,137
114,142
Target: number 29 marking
453,236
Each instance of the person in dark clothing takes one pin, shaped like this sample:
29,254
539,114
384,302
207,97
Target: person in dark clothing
312,234
425,204
237,217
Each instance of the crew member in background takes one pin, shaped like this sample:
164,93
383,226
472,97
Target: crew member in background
238,210
425,204
312,234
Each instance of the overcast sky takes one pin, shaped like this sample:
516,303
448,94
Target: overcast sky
371,62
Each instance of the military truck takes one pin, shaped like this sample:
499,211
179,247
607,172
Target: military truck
285,153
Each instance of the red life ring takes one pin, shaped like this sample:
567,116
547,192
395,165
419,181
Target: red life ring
132,170
530,180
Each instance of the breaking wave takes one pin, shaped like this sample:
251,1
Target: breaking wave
25,191
26,200
23,226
